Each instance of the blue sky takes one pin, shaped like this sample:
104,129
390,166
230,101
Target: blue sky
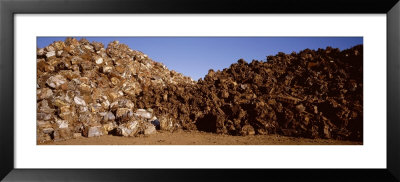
194,56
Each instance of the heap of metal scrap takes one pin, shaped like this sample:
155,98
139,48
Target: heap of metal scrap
84,89
313,94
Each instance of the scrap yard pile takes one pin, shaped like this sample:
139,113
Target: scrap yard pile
314,94
84,89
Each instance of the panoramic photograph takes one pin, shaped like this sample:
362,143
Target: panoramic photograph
199,91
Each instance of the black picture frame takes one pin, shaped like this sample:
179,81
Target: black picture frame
9,8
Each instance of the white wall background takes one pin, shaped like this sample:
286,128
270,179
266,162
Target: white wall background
370,155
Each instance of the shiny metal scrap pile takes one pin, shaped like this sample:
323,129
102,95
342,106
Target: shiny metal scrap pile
86,89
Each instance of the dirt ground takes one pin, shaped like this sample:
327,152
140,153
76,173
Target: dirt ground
199,138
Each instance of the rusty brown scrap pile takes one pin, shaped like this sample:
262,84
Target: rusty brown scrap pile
86,89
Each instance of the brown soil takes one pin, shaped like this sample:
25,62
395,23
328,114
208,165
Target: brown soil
199,138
